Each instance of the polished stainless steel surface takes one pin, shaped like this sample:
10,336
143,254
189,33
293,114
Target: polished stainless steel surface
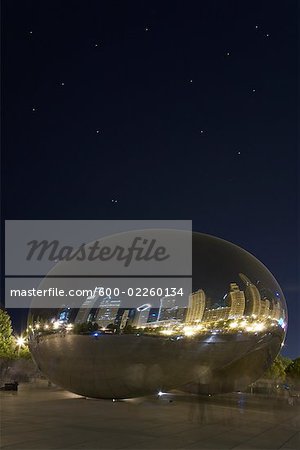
219,338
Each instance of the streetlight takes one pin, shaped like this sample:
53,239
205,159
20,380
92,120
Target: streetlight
20,342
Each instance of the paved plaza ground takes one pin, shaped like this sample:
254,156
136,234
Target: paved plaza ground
42,417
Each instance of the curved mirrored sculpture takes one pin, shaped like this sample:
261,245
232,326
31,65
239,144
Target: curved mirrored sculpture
218,337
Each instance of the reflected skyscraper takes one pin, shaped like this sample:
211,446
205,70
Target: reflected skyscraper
180,313
214,314
124,316
196,307
236,301
124,319
84,311
153,315
265,308
107,311
276,311
253,298
167,309
141,316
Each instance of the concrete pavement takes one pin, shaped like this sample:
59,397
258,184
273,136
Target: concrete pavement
41,417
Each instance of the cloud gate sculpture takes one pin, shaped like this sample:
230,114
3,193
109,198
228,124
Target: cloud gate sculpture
219,337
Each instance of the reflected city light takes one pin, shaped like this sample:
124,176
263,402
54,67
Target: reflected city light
190,331
167,332
57,324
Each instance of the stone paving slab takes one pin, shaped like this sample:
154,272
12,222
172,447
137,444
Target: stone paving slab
39,417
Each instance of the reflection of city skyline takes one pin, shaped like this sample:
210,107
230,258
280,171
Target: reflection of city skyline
236,304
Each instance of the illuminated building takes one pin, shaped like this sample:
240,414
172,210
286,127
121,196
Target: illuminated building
168,323
153,315
120,316
212,315
265,308
253,298
276,311
84,311
180,313
124,319
167,308
141,316
196,307
107,311
236,301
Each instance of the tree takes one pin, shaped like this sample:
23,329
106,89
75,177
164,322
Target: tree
7,341
285,361
293,369
7,344
24,352
85,327
128,329
15,357
277,369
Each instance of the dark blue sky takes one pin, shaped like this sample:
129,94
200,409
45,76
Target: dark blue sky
176,109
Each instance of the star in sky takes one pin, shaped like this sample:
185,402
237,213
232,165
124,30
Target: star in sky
225,58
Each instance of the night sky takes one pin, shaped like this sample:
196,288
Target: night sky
157,110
